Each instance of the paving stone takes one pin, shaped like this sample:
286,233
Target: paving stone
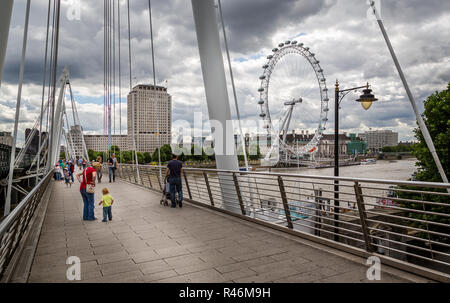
159,275
154,267
149,243
118,267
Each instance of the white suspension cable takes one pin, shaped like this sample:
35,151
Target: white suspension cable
156,102
132,101
120,80
43,92
17,115
233,86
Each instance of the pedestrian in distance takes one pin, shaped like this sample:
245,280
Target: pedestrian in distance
71,168
107,201
56,172
67,178
112,166
98,167
174,170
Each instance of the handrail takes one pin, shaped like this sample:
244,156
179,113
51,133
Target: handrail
412,227
349,179
16,224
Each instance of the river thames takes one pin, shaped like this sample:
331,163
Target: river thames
382,169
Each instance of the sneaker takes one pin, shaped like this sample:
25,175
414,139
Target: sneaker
180,204
104,221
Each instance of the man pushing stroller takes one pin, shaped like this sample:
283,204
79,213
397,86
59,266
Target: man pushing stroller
174,171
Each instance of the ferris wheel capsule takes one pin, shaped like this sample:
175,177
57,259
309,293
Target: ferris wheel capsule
275,49
261,89
262,77
269,57
262,115
294,42
287,42
260,102
265,66
281,45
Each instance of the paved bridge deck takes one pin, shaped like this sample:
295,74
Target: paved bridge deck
147,242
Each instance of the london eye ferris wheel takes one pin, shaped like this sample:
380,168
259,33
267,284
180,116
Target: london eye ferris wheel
292,79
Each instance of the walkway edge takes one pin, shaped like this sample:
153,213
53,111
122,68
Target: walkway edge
397,267
19,268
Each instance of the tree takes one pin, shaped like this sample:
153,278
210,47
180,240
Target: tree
437,118
147,157
114,150
92,154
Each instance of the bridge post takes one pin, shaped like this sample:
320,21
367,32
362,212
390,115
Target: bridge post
208,188
285,202
363,216
187,184
214,79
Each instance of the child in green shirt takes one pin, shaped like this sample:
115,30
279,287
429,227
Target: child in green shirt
107,202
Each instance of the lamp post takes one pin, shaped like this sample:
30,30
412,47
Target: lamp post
366,100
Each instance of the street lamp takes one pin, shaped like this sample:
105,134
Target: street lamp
366,100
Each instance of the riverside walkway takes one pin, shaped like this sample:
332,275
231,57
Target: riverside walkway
147,242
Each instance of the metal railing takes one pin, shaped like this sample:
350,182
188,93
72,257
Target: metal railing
15,225
404,222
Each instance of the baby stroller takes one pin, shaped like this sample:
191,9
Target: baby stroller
166,193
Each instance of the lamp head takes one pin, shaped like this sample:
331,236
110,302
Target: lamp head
367,98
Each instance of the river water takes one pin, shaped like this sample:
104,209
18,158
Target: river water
382,169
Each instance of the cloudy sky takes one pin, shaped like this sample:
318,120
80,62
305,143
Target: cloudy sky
348,44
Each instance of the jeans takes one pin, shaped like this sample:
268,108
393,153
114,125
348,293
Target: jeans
99,175
71,177
112,172
107,212
88,208
175,185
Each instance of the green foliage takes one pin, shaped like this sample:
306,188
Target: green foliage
62,155
397,149
147,157
437,118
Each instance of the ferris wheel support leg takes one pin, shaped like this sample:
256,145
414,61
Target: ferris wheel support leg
213,70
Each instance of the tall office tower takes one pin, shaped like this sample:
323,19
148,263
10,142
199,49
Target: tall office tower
149,108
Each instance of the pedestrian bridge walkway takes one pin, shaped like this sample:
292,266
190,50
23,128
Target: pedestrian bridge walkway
147,242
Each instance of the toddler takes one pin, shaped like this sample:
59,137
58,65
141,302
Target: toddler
107,202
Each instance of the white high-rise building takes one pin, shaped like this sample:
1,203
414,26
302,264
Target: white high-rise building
100,142
377,139
149,108
152,108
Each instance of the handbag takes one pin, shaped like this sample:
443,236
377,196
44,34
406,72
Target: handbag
90,187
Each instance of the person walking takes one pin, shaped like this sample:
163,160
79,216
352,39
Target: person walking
174,171
112,166
88,175
79,162
84,163
98,167
71,168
